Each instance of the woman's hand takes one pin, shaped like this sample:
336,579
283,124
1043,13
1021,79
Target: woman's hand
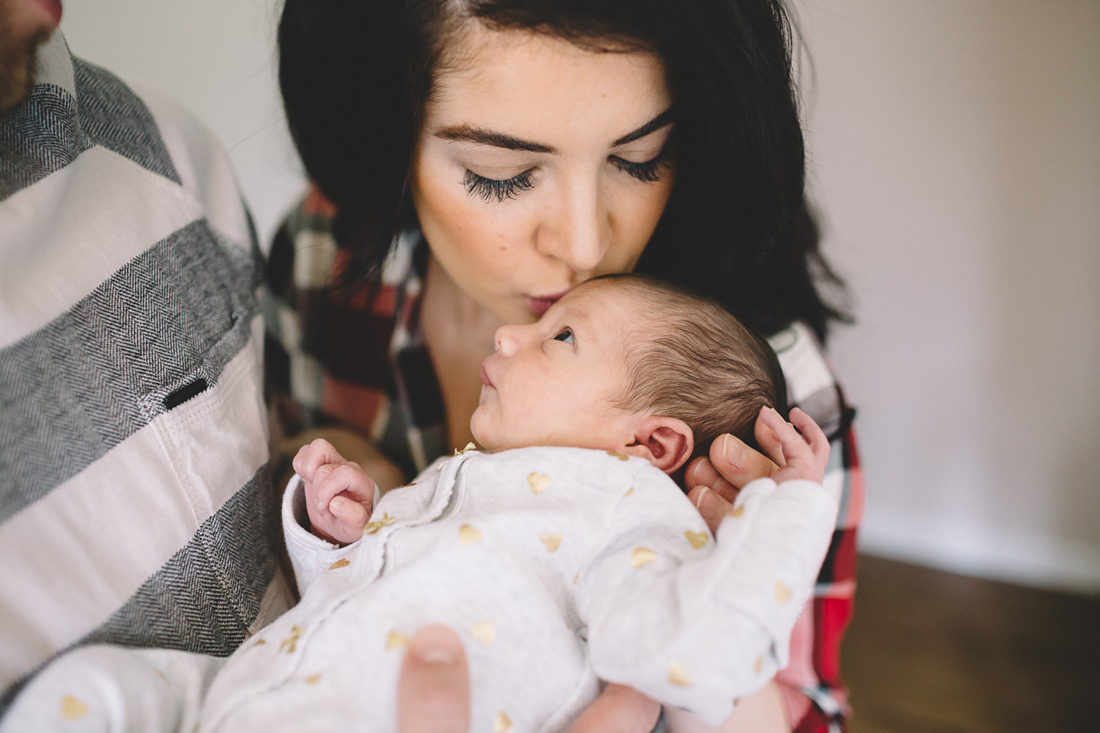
433,693
713,482
618,709
713,485
433,689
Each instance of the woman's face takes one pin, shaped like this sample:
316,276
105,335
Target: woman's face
541,165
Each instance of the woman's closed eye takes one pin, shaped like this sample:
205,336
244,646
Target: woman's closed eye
566,335
492,188
649,171
499,189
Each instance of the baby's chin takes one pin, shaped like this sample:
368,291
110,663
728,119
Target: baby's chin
482,437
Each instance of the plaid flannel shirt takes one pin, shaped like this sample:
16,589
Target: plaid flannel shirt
362,362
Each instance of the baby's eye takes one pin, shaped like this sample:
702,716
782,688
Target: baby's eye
566,335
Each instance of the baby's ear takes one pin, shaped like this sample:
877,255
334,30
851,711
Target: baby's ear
666,442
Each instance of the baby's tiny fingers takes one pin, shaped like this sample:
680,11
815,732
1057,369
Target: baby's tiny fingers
784,432
334,479
313,455
812,433
351,517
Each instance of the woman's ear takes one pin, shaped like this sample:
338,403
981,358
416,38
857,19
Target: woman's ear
666,442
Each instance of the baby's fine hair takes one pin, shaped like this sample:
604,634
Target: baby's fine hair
697,362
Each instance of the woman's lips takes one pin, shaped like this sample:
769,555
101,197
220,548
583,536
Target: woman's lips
541,303
485,375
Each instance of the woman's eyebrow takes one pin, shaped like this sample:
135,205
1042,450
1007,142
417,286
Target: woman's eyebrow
481,136
465,133
665,118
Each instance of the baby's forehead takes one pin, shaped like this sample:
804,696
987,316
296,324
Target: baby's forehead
605,291
623,317
629,302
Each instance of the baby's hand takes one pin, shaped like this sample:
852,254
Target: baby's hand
805,456
339,495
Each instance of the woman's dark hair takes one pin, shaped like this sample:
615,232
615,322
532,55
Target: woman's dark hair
356,76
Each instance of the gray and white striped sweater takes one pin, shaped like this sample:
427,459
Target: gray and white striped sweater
135,501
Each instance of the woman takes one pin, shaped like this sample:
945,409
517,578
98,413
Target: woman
492,154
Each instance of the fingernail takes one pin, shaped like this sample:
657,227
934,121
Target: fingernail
689,476
699,499
733,451
436,655
708,504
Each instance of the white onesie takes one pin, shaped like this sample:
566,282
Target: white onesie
559,567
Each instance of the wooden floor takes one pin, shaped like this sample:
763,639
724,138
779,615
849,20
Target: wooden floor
930,651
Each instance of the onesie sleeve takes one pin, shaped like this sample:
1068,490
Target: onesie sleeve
694,622
309,554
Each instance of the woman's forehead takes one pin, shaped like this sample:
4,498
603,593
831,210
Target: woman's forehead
536,84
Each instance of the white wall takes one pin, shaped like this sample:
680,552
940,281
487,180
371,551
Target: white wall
955,156
217,57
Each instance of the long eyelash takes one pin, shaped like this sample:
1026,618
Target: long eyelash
649,171
491,188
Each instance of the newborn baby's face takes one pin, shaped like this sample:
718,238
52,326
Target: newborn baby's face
554,382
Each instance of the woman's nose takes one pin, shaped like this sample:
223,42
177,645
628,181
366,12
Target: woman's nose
577,234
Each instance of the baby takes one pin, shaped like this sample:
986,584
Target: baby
562,550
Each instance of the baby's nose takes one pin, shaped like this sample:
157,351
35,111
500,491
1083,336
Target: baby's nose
506,339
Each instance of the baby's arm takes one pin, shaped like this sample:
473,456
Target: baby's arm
697,624
339,495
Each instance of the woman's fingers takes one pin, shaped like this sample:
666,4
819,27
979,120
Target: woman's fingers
712,507
737,463
713,484
618,708
701,472
433,689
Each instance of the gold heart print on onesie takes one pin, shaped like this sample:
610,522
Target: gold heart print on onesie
396,640
642,556
373,527
697,539
538,482
468,535
677,675
72,709
552,540
485,632
288,644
